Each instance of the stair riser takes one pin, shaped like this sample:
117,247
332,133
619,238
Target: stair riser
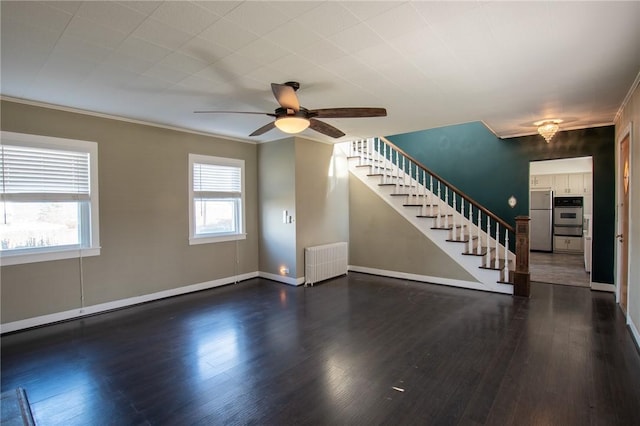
471,263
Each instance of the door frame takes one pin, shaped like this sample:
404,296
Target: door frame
627,132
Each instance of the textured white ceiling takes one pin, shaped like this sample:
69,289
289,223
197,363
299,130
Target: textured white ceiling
430,64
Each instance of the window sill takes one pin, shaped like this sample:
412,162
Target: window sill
46,256
218,239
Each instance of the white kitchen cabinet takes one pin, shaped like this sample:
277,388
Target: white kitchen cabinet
570,184
567,244
587,179
561,185
576,183
542,181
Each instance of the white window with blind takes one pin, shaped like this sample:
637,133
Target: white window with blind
49,198
216,199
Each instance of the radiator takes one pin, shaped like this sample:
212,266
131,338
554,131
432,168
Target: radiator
324,262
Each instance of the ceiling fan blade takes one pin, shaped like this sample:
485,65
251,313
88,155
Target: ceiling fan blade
264,129
286,96
235,112
325,129
348,112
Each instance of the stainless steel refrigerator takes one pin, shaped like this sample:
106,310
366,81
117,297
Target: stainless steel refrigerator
541,213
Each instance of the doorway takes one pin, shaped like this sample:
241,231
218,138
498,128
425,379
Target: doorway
560,256
624,181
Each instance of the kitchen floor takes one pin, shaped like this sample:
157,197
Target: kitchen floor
559,268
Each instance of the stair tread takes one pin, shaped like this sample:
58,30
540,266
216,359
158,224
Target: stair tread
491,268
467,253
490,254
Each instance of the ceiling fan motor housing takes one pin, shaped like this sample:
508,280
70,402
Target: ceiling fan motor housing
293,84
289,112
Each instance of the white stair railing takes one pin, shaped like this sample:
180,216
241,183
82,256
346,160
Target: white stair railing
438,199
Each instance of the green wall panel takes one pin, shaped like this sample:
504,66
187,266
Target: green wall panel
490,170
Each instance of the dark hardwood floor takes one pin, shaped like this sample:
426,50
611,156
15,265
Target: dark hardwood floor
355,350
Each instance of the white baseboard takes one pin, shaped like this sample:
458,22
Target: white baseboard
501,288
122,303
282,279
634,331
603,287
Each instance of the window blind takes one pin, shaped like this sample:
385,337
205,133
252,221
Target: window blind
28,170
216,180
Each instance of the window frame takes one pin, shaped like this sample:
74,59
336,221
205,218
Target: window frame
44,254
216,237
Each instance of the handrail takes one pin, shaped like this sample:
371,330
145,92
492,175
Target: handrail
455,189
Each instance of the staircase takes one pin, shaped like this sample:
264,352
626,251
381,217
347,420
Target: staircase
471,235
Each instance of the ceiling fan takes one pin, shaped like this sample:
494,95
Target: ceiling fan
290,117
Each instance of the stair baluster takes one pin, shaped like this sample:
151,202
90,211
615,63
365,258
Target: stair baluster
496,261
453,218
397,172
410,197
424,193
431,200
416,189
479,247
446,206
470,248
487,256
506,255
461,234
438,218
376,156
384,163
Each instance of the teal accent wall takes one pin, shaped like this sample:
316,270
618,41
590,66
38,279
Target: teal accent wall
490,170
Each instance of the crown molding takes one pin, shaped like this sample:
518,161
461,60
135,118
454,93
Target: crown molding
627,98
118,118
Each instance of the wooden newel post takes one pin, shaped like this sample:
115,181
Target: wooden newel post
521,278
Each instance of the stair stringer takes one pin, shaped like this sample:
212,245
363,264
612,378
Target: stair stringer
487,278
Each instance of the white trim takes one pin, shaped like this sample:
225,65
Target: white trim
500,288
119,118
487,277
219,239
634,331
624,103
216,238
534,132
46,256
603,287
122,303
13,257
618,195
282,279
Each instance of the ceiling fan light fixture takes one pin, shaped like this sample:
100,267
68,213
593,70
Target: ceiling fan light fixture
548,128
292,124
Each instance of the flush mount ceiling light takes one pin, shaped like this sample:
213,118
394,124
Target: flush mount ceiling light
548,128
292,124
